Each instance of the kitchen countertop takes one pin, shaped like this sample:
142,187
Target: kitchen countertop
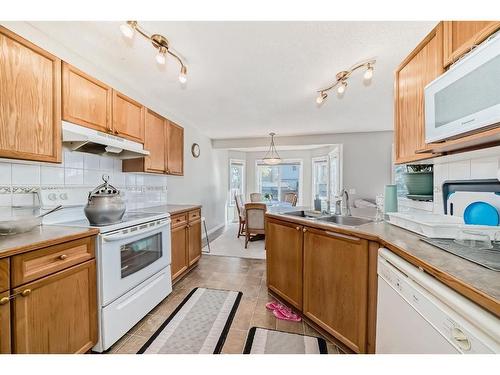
475,282
172,209
42,236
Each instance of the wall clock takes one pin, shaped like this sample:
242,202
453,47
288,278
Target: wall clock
195,150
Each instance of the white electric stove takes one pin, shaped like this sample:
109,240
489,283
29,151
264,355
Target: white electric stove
133,261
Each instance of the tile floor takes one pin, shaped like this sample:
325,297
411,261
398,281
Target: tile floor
246,275
229,245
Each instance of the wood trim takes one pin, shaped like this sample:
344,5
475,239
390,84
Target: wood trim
50,242
56,105
371,323
4,274
449,57
487,138
66,70
178,220
40,263
5,333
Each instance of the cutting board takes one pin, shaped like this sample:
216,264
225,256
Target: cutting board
459,200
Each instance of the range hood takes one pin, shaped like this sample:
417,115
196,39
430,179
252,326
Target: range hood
79,138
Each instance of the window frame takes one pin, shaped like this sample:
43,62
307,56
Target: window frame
300,162
243,163
313,176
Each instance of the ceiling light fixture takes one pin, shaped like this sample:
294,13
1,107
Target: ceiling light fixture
272,157
129,28
341,78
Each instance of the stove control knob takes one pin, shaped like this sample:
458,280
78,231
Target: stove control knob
52,196
63,196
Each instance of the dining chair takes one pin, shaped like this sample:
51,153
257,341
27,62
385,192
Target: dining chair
238,198
291,198
254,215
255,197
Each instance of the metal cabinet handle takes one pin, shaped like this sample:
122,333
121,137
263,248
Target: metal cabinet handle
297,228
304,230
63,256
343,236
4,300
26,292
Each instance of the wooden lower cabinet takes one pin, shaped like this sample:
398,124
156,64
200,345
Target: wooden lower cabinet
194,241
185,242
336,285
284,260
5,335
179,251
58,313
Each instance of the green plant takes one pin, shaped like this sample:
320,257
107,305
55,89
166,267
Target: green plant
419,168
268,196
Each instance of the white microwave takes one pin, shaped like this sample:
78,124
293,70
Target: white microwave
466,98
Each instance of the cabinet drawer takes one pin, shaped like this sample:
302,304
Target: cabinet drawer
35,264
194,215
4,274
179,220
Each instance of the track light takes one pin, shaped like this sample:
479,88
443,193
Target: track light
159,42
341,78
368,74
128,29
342,87
183,75
161,57
321,97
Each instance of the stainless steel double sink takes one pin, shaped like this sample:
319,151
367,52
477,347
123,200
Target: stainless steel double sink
350,221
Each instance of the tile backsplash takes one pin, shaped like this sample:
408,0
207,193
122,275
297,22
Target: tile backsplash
19,178
481,164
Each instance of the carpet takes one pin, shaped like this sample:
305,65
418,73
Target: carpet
269,341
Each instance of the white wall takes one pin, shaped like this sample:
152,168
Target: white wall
366,156
204,180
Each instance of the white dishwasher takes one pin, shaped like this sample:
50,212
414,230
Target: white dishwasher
416,314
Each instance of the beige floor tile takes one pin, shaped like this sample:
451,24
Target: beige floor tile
132,345
117,345
150,326
244,314
263,320
235,342
292,327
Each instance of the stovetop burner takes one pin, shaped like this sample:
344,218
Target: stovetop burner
489,258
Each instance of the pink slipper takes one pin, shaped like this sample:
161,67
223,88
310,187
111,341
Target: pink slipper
286,314
273,305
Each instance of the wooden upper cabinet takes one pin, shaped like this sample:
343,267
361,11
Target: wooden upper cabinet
422,66
460,36
284,260
175,149
128,117
336,285
56,314
85,100
30,100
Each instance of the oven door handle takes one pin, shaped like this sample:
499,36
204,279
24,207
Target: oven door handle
118,237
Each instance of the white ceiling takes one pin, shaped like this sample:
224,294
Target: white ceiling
246,79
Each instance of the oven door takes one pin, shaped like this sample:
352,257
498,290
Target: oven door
129,256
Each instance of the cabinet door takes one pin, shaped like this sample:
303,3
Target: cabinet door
284,261
423,65
128,117
30,104
179,251
58,313
336,285
194,241
461,36
154,142
4,323
175,149
86,101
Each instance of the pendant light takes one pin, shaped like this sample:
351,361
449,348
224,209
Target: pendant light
272,157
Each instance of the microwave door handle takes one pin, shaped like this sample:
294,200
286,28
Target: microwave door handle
118,237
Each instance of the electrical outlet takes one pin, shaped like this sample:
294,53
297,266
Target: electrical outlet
352,191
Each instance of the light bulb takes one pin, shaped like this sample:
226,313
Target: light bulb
183,75
368,74
321,97
341,88
161,57
127,30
